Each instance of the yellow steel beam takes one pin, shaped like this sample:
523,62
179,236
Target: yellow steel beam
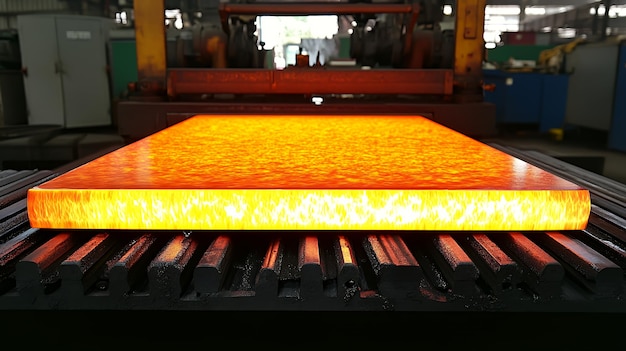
150,43
469,47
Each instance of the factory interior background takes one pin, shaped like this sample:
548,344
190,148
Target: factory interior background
553,69
543,103
542,80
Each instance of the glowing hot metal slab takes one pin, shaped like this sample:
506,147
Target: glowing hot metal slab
308,172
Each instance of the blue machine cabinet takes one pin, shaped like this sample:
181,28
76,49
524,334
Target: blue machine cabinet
528,98
617,133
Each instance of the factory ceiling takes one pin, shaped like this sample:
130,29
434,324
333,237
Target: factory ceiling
175,3
191,3
540,2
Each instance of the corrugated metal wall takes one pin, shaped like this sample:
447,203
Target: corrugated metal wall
9,9
21,6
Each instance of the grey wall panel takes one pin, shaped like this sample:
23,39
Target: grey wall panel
82,51
591,85
65,57
42,82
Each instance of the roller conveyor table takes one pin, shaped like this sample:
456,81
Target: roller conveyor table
579,270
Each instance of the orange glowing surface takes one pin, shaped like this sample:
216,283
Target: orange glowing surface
308,172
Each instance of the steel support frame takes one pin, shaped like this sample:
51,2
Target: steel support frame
469,50
308,81
459,105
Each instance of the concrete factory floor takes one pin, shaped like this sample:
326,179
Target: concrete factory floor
582,148
24,147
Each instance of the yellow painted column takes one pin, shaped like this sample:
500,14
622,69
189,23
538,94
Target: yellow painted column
469,48
150,44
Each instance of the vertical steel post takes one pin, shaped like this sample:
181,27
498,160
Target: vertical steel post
469,49
150,45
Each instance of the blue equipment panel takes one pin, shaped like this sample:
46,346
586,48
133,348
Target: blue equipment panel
528,98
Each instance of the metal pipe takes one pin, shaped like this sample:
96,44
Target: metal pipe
294,9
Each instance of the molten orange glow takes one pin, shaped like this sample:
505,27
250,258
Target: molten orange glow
308,172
